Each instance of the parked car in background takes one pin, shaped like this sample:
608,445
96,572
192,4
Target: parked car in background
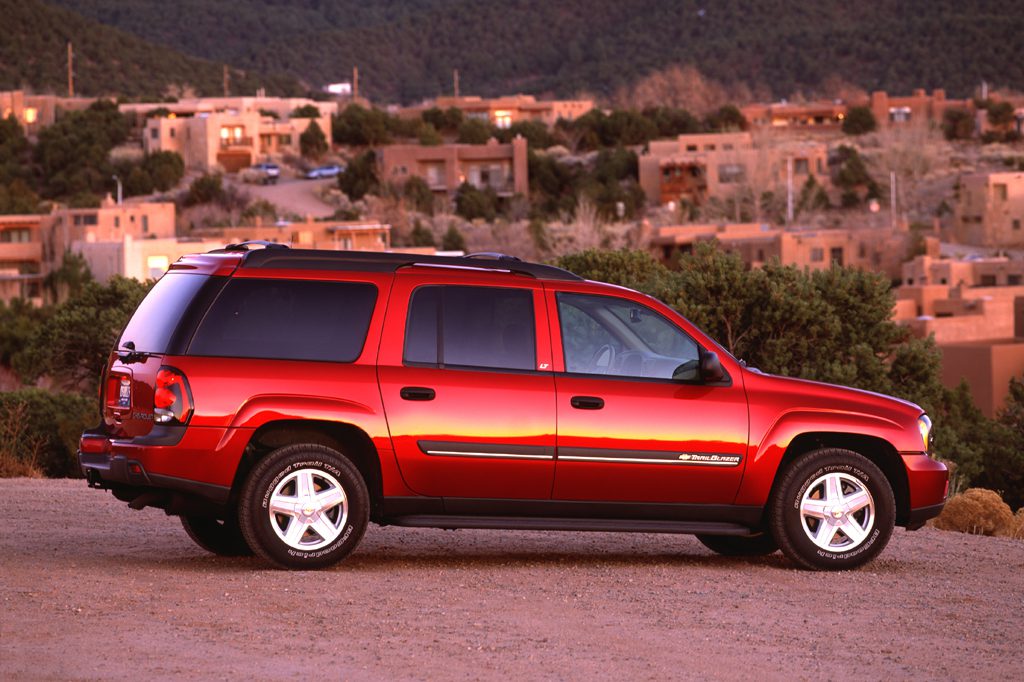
263,173
329,171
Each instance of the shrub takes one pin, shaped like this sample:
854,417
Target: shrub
19,453
859,120
977,511
453,239
50,425
204,190
312,142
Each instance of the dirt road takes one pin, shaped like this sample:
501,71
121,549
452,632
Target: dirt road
92,590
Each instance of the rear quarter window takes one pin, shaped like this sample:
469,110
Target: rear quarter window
287,320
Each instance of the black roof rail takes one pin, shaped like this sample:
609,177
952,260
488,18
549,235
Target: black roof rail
377,261
244,246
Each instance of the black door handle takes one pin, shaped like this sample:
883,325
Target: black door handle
586,402
417,393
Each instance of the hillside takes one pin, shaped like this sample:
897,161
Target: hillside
108,61
406,49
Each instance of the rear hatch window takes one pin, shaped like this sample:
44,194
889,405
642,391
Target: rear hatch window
165,318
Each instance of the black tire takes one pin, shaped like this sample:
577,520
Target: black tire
851,474
740,545
323,470
220,537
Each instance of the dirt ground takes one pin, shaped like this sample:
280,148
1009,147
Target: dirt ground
93,590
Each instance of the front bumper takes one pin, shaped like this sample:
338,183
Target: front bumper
928,486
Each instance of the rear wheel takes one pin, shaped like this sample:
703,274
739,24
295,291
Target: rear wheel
740,545
832,509
220,537
304,506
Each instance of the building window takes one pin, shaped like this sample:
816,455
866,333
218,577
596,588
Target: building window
31,114
145,223
727,146
709,147
503,119
988,280
90,219
899,114
817,255
284,139
19,235
836,255
1016,223
154,133
117,221
1000,191
801,167
691,147
1013,280
157,266
171,132
732,172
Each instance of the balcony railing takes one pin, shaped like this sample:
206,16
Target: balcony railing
21,251
231,142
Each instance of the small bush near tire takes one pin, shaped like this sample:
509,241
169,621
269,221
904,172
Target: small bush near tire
977,511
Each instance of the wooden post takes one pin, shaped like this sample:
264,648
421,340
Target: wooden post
455,79
355,83
71,71
227,78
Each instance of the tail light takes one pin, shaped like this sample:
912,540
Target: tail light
172,400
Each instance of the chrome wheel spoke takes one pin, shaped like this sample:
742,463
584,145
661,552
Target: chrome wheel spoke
824,535
304,487
328,499
814,508
296,529
856,501
323,528
833,489
853,531
282,504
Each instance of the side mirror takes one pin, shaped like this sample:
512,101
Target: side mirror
711,371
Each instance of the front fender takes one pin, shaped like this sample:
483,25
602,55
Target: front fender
766,450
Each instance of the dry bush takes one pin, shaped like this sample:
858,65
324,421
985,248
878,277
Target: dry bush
1015,529
977,511
19,453
684,87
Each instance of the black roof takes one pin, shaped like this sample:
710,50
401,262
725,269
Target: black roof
280,256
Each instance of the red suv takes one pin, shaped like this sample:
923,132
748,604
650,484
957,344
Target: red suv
278,400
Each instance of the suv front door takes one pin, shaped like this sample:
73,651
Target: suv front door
469,394
635,423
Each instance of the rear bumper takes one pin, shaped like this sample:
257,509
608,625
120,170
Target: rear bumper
130,479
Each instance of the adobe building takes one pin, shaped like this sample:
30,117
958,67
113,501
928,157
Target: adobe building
500,167
804,116
874,249
21,257
974,309
990,210
502,112
694,168
335,235
229,133
35,112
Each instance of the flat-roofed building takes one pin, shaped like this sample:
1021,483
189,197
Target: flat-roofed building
502,112
21,257
990,210
500,167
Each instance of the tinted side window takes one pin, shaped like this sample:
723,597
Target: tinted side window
480,327
613,336
287,320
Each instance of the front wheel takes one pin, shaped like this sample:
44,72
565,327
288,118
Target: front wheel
832,509
304,506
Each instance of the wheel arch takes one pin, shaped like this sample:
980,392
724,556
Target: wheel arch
348,439
878,450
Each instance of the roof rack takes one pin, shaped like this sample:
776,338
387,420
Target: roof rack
280,256
244,246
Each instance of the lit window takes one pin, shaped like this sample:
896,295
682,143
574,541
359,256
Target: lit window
225,133
31,114
503,119
157,265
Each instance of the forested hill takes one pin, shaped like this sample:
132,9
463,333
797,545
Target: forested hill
406,49
33,54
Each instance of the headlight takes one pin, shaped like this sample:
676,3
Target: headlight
924,425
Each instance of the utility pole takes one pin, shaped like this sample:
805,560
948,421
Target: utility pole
355,83
455,81
892,199
789,191
227,80
120,193
71,71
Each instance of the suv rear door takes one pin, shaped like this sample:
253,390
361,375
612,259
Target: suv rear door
466,384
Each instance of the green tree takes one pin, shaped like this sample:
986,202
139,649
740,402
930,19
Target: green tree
165,168
671,122
418,193
360,176
306,111
361,127
204,190
313,142
472,203
138,182
536,134
957,124
725,119
859,120
453,239
447,120
420,235
474,131
428,135
72,345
